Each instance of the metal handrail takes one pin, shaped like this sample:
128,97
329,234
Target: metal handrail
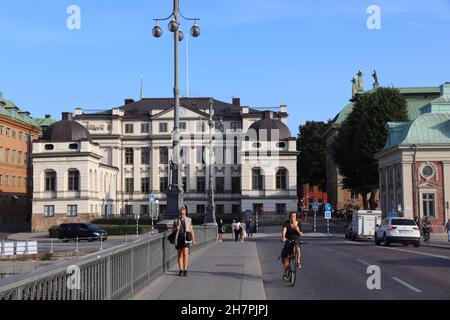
112,274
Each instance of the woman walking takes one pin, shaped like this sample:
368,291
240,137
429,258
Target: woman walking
220,230
183,239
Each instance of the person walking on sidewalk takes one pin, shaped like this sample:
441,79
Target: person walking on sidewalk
243,233
220,230
447,229
237,230
183,239
250,226
233,229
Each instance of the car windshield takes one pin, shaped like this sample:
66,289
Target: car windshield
93,227
403,222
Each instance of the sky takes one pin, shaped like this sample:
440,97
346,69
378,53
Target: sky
267,52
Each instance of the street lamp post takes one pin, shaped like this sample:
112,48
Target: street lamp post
174,194
210,210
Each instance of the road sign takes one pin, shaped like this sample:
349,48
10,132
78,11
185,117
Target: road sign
152,198
328,207
315,206
328,215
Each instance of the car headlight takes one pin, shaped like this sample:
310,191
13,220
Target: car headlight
96,233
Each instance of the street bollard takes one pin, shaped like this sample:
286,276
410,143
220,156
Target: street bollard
101,243
76,248
26,247
2,248
51,246
126,238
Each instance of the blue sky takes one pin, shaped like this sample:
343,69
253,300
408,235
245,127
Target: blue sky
267,52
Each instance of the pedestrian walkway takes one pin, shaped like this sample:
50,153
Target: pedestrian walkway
222,271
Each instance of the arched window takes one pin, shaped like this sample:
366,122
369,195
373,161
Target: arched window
74,180
257,179
281,183
50,181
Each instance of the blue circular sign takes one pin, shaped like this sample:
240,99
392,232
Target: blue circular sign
328,207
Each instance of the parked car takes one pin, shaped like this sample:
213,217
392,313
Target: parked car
397,230
82,231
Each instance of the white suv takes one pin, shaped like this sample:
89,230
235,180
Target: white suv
397,230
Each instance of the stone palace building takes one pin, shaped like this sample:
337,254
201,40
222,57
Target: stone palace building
108,163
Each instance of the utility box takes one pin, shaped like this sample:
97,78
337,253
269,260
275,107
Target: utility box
364,223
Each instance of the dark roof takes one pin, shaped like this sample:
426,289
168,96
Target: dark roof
269,123
66,131
143,107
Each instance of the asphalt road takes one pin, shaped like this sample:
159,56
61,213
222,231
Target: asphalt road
337,269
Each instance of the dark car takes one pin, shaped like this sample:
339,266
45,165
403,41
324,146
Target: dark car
82,231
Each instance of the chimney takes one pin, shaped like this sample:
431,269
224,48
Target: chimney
128,101
48,116
268,115
445,89
67,116
236,102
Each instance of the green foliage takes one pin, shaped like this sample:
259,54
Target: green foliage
53,232
312,158
363,134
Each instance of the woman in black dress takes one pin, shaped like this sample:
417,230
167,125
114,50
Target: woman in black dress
184,228
220,230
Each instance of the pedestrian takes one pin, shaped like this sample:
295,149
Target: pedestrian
243,233
233,229
237,230
447,229
220,230
250,227
183,239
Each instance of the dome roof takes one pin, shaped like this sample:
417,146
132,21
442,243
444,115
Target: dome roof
268,123
66,130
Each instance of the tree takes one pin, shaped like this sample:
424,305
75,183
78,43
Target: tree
362,135
311,163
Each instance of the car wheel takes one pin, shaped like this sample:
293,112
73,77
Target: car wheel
386,241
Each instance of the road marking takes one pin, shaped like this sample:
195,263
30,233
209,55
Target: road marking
407,285
354,242
422,253
363,262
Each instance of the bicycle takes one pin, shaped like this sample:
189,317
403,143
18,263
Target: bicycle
292,271
426,237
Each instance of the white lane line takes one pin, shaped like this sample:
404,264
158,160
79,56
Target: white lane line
363,262
406,285
421,253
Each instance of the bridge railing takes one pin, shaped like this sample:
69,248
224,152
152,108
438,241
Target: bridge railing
112,274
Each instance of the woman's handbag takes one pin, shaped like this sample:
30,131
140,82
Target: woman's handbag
172,237
188,237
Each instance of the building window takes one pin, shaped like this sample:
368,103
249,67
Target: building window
354,195
220,184
162,209
201,126
257,180
50,181
163,184
258,208
6,180
184,182
427,172
19,181
129,209
20,157
145,209
73,146
236,184
25,158
74,180
14,156
145,156
7,155
13,181
1,154
200,153
429,204
14,133
235,126
1,130
200,209
235,151
20,135
145,127
8,132
163,155
129,128
129,185
145,185
281,183
220,209
280,209
1,179
163,127
201,184
72,210
49,211
182,126
236,209
129,156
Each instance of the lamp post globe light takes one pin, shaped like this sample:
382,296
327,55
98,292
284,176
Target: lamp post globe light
174,193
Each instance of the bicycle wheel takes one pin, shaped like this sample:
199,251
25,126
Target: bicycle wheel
292,270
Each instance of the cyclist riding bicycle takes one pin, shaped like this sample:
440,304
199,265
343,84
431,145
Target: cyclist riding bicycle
291,233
